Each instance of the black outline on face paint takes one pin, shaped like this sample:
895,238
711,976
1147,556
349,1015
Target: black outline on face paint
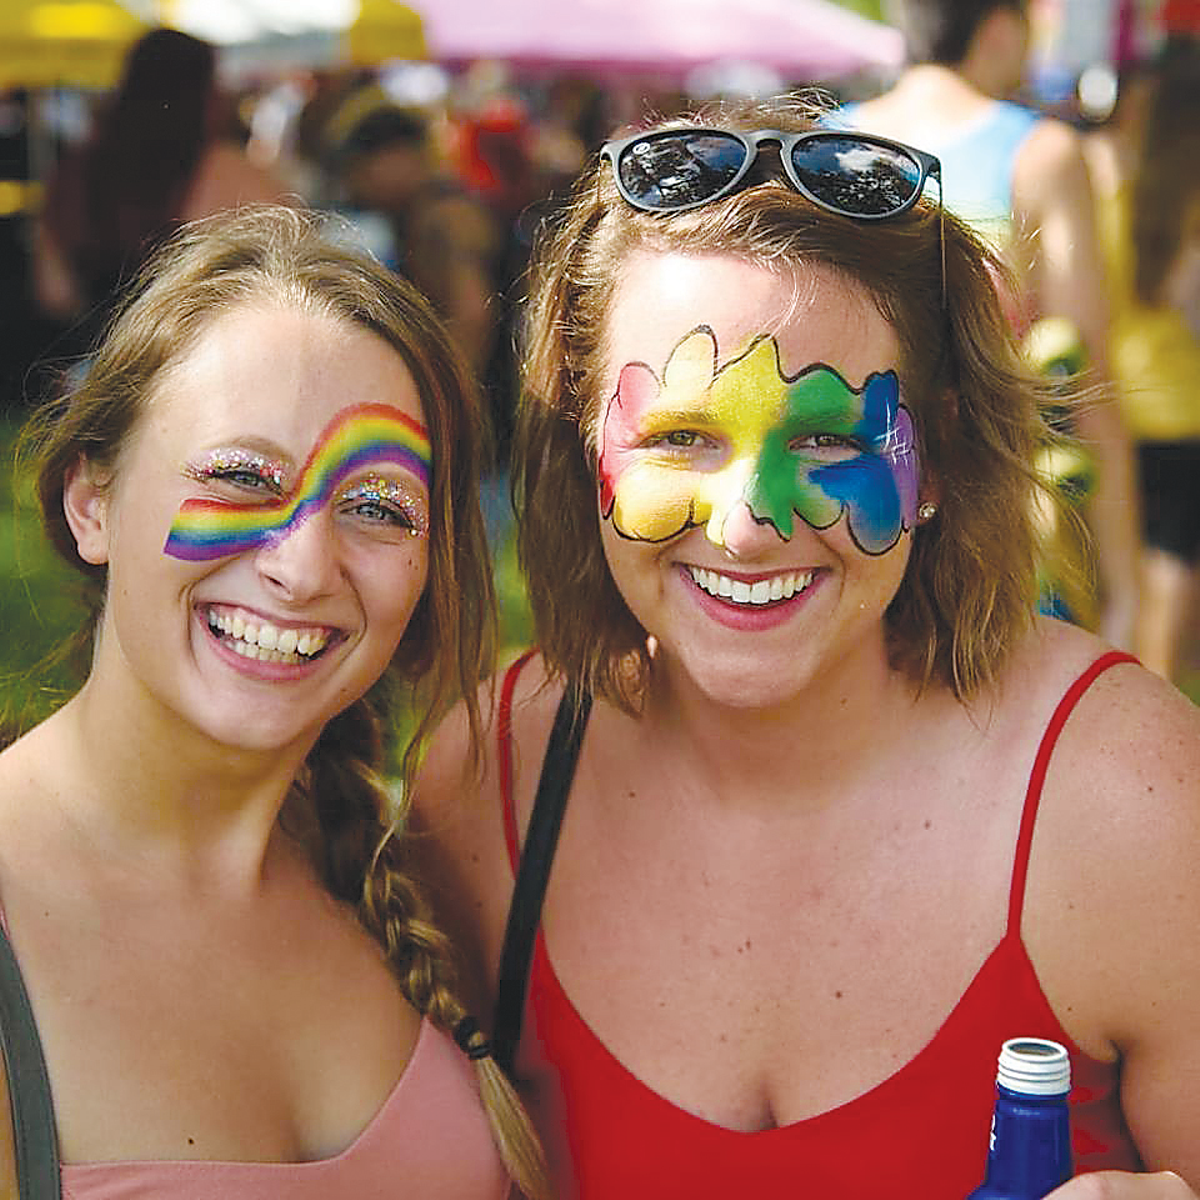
690,521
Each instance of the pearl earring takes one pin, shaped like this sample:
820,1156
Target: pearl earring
927,511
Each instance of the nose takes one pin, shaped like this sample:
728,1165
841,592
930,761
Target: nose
303,563
731,523
741,534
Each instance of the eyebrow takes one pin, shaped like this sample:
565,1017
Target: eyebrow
679,416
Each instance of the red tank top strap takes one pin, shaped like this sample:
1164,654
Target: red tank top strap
504,749
1037,777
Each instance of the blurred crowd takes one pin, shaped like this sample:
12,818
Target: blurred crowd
447,175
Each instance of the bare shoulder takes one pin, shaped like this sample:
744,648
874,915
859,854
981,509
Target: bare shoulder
1051,143
458,771
1050,160
459,835
1113,895
1125,733
1134,735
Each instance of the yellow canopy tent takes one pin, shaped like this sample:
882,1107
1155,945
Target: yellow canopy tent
273,33
383,30
46,43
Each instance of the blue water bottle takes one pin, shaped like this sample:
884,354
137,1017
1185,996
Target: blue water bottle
1030,1150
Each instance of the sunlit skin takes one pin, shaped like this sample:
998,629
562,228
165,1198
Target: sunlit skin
714,434
759,442
240,428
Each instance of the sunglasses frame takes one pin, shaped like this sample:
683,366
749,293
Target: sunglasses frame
751,141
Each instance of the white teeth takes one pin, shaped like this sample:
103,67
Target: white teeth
266,642
762,591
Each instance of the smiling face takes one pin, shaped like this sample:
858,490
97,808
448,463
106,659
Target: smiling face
267,528
758,469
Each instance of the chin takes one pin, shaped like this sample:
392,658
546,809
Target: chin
737,683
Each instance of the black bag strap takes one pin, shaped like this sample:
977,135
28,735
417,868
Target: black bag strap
533,872
35,1137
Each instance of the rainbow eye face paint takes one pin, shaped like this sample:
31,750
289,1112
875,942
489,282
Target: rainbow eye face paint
685,449
358,438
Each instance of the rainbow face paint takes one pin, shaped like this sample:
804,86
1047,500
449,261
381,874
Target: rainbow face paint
684,450
361,437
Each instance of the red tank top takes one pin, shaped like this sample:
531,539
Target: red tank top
921,1132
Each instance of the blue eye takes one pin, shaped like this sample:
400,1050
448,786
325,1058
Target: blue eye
260,483
375,510
240,470
385,505
243,477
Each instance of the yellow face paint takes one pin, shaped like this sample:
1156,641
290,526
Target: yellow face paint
684,450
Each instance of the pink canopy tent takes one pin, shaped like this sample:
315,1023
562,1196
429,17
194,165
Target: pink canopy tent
800,39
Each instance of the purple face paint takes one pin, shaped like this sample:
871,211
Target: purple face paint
367,435
683,450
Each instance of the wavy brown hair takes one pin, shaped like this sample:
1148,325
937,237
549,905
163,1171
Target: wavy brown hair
340,802
971,582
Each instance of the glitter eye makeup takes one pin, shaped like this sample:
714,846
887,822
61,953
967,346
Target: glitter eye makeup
230,464
397,504
356,439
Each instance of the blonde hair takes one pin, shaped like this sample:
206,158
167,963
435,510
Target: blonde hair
971,582
299,260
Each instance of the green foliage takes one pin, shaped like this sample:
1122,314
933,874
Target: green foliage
868,8
39,603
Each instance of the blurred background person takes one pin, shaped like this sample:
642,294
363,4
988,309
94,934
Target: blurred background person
1146,165
158,156
416,215
1021,179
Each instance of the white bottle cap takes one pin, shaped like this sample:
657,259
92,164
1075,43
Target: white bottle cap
1035,1067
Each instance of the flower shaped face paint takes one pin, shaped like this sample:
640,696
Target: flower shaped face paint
361,437
684,450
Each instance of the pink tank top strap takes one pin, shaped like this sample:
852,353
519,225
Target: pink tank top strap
504,757
1037,778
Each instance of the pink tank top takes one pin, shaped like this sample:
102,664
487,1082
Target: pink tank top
921,1132
430,1139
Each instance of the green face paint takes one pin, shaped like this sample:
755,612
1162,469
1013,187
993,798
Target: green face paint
684,450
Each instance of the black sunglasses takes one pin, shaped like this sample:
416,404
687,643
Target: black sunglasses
856,175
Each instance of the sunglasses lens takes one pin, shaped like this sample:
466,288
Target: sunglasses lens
670,171
857,177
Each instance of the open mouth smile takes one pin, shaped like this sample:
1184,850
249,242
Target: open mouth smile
757,594
266,642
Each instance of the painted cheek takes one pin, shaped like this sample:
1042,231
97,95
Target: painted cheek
866,490
364,435
645,499
878,490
